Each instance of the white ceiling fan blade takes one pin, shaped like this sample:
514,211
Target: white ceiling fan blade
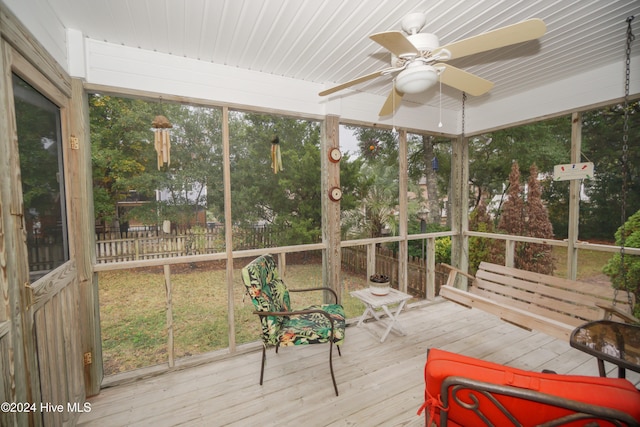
396,43
462,80
392,103
517,33
354,82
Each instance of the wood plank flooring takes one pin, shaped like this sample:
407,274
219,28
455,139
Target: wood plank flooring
380,384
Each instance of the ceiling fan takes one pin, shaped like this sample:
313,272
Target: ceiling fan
417,59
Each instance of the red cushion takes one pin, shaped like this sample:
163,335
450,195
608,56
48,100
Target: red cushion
614,393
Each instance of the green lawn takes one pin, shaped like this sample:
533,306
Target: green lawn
590,263
134,319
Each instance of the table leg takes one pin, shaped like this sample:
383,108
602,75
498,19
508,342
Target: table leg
393,320
368,311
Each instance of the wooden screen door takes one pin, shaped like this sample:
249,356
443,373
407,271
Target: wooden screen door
51,365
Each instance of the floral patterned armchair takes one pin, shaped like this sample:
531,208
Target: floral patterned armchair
282,326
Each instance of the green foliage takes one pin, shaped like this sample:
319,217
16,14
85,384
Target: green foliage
120,148
491,155
372,211
480,249
603,144
289,199
443,244
626,276
443,250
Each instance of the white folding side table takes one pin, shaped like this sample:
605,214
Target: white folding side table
374,302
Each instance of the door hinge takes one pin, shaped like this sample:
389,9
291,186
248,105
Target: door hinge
74,142
87,358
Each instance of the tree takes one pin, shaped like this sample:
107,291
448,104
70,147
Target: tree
196,165
534,256
603,144
480,249
528,218
626,276
512,217
290,199
120,149
433,201
373,212
491,155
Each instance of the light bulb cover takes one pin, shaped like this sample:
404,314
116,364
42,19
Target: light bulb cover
416,78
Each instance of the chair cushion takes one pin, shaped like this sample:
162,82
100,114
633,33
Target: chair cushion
613,393
268,293
313,328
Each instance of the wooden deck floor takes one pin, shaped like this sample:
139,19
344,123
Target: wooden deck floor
379,383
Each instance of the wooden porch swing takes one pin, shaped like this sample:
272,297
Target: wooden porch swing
535,301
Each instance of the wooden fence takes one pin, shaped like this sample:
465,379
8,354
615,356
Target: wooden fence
137,245
153,244
354,259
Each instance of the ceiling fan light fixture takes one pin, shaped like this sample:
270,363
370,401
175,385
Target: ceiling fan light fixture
416,78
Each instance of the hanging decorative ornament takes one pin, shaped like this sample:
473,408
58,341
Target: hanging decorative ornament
162,141
276,158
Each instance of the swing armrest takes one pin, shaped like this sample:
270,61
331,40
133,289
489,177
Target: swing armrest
615,311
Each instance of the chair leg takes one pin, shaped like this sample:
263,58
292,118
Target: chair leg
333,378
264,358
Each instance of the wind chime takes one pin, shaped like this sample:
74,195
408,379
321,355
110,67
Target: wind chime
276,158
162,142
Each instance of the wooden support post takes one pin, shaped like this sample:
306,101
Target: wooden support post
509,253
282,265
431,268
459,211
228,227
169,310
80,191
574,198
403,188
332,255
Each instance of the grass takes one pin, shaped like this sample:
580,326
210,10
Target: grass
134,320
590,263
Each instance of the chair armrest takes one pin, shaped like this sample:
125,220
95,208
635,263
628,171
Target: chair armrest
296,313
615,311
320,288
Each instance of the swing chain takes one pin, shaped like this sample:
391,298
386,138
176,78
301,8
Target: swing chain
464,99
625,149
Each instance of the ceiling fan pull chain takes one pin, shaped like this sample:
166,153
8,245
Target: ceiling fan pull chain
440,107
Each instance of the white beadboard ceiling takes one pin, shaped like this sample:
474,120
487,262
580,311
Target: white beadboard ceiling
326,41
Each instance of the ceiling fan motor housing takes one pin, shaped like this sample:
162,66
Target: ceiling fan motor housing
423,42
418,76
